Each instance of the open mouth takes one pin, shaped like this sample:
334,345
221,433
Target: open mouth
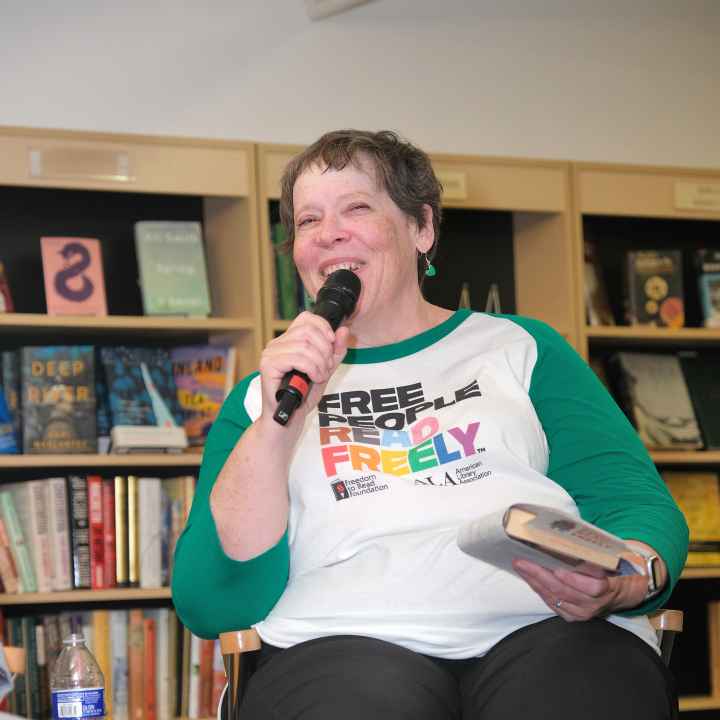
352,266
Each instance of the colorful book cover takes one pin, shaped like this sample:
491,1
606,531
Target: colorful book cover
708,265
204,376
8,444
79,531
73,273
141,386
58,399
654,280
173,274
108,513
18,546
103,417
6,302
96,532
59,531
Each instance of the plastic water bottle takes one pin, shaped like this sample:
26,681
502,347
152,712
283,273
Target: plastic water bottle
77,685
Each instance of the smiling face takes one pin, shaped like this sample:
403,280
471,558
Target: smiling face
344,220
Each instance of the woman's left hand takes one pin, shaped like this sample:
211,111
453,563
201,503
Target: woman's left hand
584,593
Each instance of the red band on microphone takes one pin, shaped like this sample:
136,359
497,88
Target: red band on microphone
299,384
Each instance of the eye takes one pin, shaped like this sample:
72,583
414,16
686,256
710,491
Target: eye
359,206
303,222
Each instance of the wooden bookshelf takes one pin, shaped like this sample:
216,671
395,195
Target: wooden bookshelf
685,457
125,595
111,460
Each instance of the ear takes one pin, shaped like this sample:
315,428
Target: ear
425,236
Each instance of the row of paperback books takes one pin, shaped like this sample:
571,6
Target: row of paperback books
154,668
654,289
67,399
76,532
697,494
672,399
171,264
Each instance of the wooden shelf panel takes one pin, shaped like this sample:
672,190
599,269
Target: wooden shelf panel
644,335
81,596
699,702
32,323
685,457
101,461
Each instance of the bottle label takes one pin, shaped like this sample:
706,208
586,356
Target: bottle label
80,703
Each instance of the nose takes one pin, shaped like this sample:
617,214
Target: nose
330,230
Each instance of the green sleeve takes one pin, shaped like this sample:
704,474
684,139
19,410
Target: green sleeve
598,458
212,592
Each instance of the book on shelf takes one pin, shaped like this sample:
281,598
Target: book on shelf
58,399
96,532
204,376
654,288
8,443
11,387
701,371
597,305
708,268
173,274
143,399
133,532
103,416
653,392
136,662
120,487
73,274
286,279
31,504
108,523
102,651
697,494
6,301
59,532
118,629
149,669
149,532
18,546
8,569
547,536
79,531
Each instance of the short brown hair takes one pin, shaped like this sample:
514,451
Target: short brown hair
402,170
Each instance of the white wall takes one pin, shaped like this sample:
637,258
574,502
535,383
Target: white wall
620,80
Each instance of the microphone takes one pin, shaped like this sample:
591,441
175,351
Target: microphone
335,300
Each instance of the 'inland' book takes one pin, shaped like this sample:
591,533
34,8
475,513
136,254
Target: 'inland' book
58,399
73,274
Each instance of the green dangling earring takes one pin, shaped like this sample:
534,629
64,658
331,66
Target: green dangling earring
430,270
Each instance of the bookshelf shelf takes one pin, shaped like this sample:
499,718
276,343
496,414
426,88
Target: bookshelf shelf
32,323
134,460
651,335
83,596
700,573
699,702
686,457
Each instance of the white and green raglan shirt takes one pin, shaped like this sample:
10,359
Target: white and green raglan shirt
409,441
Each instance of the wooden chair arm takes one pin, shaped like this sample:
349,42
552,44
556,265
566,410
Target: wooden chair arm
237,647
15,657
667,624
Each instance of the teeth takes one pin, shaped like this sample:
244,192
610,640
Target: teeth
339,266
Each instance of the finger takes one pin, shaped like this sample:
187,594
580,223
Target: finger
585,584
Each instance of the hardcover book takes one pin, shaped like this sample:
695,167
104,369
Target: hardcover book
204,376
547,536
173,274
58,391
6,302
73,273
596,298
701,373
141,386
10,380
79,531
8,445
59,532
698,496
96,532
708,266
654,286
20,550
120,488
655,397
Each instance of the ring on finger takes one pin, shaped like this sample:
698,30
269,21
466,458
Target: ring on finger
558,604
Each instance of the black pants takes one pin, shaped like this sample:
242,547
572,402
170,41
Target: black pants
552,670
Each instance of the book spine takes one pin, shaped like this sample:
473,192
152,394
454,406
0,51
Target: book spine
12,390
8,571
43,670
59,533
194,679
21,553
79,533
136,659
164,664
37,490
119,663
96,532
102,642
150,674
133,532
120,487
206,678
218,676
108,520
149,512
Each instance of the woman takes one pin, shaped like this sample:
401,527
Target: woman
335,535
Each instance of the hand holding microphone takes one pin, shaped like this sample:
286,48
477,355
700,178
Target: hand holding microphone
336,300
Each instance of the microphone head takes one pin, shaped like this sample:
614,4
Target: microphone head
342,287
